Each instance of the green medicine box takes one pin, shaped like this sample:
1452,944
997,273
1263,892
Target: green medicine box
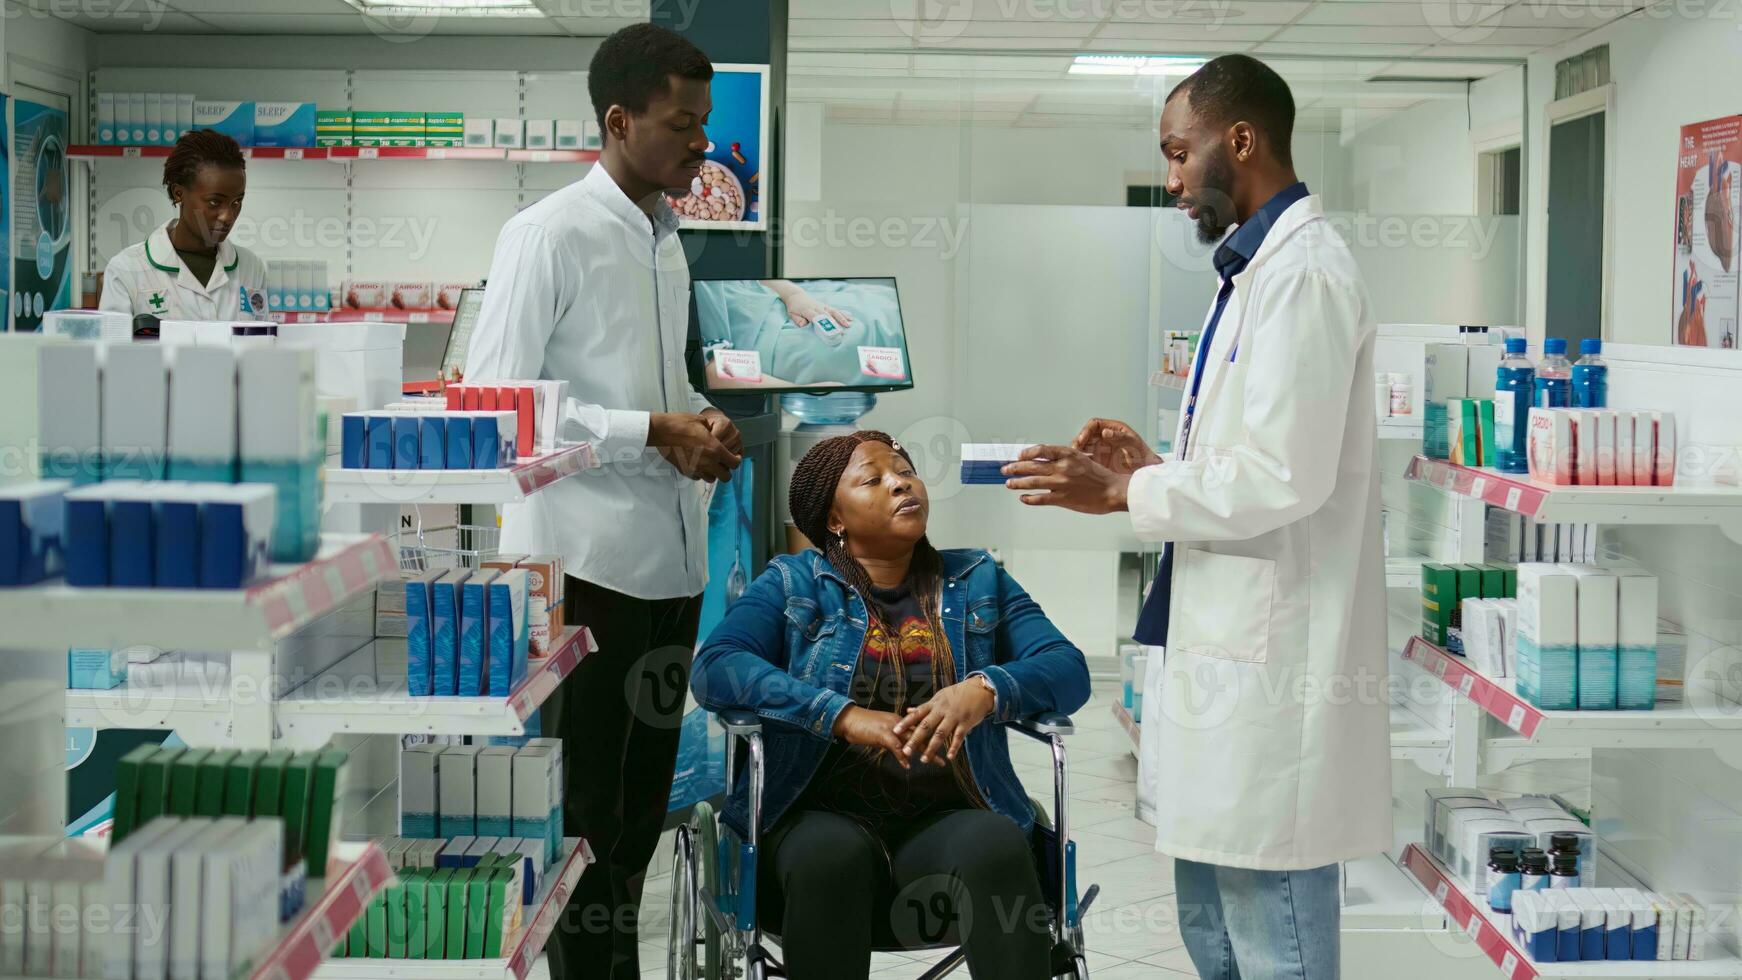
1493,581
184,780
378,128
269,784
1439,597
299,784
239,784
1485,420
456,924
499,914
333,127
477,912
357,940
416,917
154,784
128,773
435,915
209,793
444,128
328,768
377,933
396,926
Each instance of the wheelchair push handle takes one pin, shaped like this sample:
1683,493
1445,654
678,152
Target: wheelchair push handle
741,723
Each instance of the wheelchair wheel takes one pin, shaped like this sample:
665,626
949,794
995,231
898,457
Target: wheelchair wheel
681,928
1080,968
706,840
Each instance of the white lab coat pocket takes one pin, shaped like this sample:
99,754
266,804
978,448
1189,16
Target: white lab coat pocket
1222,606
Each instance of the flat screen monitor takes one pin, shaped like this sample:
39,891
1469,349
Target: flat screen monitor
816,335
426,346
460,339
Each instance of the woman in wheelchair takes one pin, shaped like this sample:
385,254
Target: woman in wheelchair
880,668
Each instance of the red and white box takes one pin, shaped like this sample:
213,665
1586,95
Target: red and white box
366,294
1663,455
1644,448
1550,446
1623,449
1585,445
544,600
412,296
519,399
447,294
1606,440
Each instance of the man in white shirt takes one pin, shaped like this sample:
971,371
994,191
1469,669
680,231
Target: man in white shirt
590,286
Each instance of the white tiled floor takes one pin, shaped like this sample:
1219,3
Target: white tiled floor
1132,929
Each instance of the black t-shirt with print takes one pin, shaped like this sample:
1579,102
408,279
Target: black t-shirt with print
868,782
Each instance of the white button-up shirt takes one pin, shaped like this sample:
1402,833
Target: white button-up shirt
585,288
151,278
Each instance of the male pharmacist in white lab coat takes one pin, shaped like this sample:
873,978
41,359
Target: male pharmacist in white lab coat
590,285
1275,757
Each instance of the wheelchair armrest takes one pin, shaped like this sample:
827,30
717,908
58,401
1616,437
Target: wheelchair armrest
1044,725
739,722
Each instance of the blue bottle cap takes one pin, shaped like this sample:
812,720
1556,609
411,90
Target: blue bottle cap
1554,345
1515,345
1590,345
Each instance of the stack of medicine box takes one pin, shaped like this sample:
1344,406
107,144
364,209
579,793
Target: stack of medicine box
539,424
1445,586
481,653
301,789
445,913
143,118
1567,925
528,853
38,879
1462,826
1456,372
451,791
167,534
206,404
373,127
429,440
1601,447
1587,637
444,128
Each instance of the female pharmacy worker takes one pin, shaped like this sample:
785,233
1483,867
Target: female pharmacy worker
186,270
1274,755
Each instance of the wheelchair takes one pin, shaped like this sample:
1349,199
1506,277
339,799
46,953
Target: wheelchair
713,933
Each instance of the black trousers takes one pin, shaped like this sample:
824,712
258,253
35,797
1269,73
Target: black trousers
966,877
619,716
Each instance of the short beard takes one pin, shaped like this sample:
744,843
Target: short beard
1213,200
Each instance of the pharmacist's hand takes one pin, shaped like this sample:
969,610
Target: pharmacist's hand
688,442
876,729
937,728
724,430
802,308
1067,478
1115,445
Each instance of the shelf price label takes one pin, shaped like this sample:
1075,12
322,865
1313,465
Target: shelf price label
1512,497
373,317
293,153
417,318
436,153
1440,668
132,152
540,156
1509,963
1466,684
1440,890
368,152
1473,928
1515,717
1478,485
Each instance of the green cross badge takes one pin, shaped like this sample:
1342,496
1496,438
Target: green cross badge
157,302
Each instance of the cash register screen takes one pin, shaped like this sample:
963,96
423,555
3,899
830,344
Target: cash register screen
802,334
465,318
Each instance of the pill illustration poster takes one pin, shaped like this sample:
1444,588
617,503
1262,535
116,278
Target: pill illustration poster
1708,250
42,214
727,194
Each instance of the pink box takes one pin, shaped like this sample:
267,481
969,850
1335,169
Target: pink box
1585,440
1663,456
1623,449
1605,421
411,295
1550,447
1644,448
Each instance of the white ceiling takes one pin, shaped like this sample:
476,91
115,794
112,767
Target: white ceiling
1005,62
562,18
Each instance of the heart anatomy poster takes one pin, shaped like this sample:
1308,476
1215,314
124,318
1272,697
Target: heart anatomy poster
42,226
1708,213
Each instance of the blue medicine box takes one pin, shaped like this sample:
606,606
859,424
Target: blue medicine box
87,536
233,119
506,655
419,662
406,442
474,632
32,531
354,441
178,541
486,443
379,452
459,437
445,631
432,442
131,532
284,124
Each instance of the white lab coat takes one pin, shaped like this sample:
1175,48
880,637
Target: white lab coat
150,278
1274,728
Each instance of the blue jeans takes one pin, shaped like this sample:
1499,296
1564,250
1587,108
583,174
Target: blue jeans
1260,925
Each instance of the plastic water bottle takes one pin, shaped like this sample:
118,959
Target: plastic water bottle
1554,376
1514,385
1591,376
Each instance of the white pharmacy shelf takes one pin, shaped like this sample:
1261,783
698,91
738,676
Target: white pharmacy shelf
1492,934
365,694
1400,427
1380,895
1717,506
54,616
1132,728
1162,379
1403,573
1704,720
502,486
541,919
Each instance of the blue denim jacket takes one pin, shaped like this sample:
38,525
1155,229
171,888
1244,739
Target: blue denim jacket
788,648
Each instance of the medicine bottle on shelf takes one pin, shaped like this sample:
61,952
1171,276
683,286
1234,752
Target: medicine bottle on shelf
1503,878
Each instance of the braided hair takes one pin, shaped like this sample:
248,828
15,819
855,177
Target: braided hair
810,496
194,149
